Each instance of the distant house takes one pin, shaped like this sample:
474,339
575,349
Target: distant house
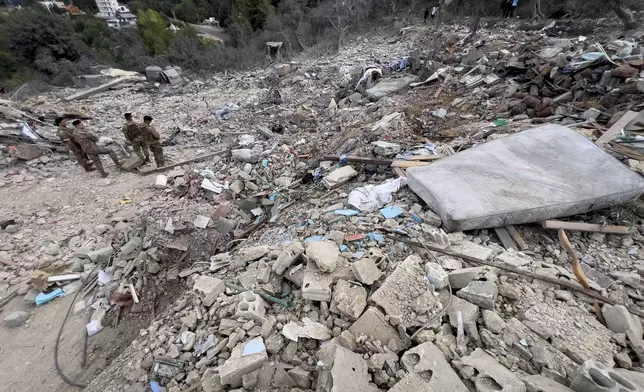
107,8
122,20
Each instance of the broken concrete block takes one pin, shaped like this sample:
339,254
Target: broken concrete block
493,321
468,248
250,306
490,370
431,218
16,319
469,311
208,288
462,277
435,235
429,362
581,335
410,383
372,323
513,258
594,376
316,285
99,255
287,257
407,295
366,270
324,253
619,320
436,275
130,247
539,383
384,148
301,377
349,299
481,293
310,329
254,253
339,177
349,371
244,359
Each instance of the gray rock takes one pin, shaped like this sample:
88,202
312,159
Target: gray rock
488,368
432,219
430,364
325,254
619,320
16,319
366,270
481,293
493,321
462,277
436,275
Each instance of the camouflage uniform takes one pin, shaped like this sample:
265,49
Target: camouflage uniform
66,136
133,134
88,141
152,140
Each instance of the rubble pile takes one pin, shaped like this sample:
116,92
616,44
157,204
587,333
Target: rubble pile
310,265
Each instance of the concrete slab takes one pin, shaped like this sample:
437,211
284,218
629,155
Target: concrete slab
579,335
429,362
372,323
490,369
407,295
539,383
411,383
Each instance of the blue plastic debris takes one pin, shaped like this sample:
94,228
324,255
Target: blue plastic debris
155,386
344,248
346,212
254,346
416,218
358,255
376,237
391,212
265,162
315,238
43,298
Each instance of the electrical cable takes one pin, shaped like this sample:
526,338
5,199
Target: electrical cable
60,333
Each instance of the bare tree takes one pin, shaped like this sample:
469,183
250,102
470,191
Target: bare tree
624,14
536,10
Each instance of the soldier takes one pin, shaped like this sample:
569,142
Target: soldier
152,140
66,136
88,141
133,134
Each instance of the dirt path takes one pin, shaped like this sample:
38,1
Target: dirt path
76,201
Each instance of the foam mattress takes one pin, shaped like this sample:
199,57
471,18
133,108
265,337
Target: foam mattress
534,175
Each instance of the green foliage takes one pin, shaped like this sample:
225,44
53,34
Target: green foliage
188,11
252,14
154,32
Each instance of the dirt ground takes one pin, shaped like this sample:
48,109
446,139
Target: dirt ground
79,201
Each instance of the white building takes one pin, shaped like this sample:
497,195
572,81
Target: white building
107,8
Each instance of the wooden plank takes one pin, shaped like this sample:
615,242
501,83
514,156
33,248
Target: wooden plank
423,158
514,233
506,239
407,164
399,172
197,159
616,128
95,90
588,227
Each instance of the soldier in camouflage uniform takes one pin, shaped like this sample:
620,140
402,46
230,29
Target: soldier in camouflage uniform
66,136
152,140
133,134
88,141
